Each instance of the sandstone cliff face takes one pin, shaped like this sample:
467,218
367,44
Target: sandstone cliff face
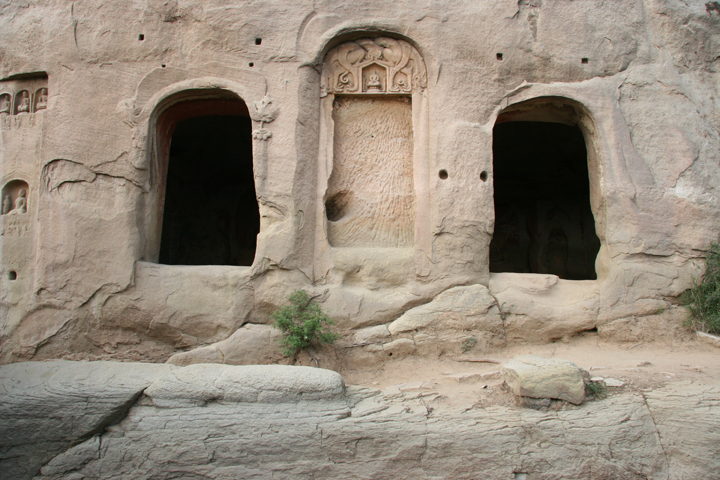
86,116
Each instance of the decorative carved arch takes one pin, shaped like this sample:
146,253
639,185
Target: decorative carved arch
397,63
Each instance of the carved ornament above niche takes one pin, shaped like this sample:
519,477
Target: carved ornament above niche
373,66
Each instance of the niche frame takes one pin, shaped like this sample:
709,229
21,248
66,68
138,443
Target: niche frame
157,149
564,110
340,78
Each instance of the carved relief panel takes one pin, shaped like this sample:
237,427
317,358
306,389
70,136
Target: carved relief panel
16,236
373,66
23,95
41,97
22,102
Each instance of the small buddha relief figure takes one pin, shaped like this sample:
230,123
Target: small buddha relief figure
373,84
6,205
41,97
20,203
5,102
23,102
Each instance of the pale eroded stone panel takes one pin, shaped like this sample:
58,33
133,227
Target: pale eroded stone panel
371,199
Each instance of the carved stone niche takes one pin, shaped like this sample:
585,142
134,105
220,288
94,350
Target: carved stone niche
5,103
22,102
373,66
15,195
41,97
369,89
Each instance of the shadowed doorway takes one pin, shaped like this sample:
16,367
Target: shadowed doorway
543,219
210,214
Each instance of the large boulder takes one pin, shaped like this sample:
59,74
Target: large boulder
538,377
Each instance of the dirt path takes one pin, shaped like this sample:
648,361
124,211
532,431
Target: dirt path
459,384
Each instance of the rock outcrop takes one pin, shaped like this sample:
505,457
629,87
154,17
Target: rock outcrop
214,421
47,407
251,344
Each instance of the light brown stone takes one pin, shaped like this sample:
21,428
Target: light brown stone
467,309
713,340
538,377
402,347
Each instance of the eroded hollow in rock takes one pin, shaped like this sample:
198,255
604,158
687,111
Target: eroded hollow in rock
543,219
210,214
337,206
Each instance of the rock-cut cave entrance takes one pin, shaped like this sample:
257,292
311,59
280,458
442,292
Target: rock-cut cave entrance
543,219
210,214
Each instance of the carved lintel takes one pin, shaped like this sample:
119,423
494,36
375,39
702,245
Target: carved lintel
373,66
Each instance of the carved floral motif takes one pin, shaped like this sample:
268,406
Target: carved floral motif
264,111
373,66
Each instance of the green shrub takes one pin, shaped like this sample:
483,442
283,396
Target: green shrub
303,322
468,344
595,390
703,299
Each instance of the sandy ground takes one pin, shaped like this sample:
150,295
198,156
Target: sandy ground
639,366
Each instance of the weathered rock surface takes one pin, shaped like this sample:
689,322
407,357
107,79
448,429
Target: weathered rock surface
460,308
538,377
204,421
687,417
376,334
251,344
665,323
46,407
450,318
544,307
198,385
402,347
